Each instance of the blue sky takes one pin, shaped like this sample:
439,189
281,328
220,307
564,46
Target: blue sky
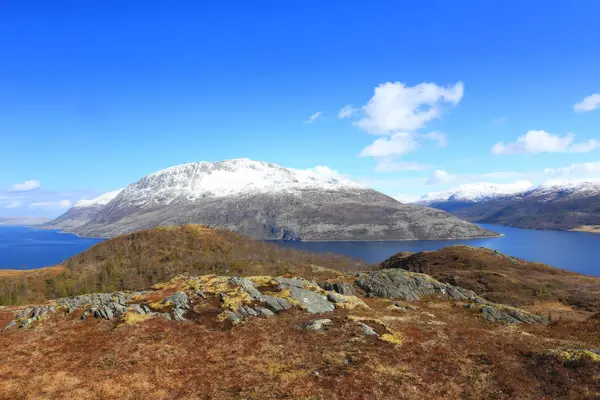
95,95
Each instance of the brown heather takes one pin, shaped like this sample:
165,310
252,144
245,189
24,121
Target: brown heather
440,350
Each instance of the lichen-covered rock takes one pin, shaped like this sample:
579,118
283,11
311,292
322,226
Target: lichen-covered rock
343,288
310,301
509,315
367,329
28,315
179,300
400,284
317,325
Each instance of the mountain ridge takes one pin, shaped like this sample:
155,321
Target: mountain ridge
267,201
568,206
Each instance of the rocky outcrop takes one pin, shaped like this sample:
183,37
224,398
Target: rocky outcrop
508,315
235,299
410,286
400,284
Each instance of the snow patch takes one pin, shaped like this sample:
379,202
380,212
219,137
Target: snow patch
101,200
226,178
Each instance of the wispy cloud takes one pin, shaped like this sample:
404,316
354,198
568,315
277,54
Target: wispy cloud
313,117
13,204
52,205
578,172
386,164
589,103
440,177
347,111
540,141
440,138
25,186
397,144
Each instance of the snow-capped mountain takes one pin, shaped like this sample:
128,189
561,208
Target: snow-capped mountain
552,191
228,178
269,201
554,205
473,192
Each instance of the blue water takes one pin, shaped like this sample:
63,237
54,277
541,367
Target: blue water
577,251
26,248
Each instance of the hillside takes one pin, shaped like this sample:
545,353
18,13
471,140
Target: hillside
138,260
265,201
384,334
562,207
505,279
81,213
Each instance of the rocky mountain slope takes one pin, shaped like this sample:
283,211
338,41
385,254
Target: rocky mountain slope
81,213
565,206
314,332
268,201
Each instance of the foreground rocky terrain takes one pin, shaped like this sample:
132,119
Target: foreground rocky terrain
306,332
262,200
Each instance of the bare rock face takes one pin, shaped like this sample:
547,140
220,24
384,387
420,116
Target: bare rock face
267,201
400,284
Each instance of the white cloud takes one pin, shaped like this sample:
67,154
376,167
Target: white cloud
589,103
397,144
14,204
389,165
347,111
440,177
398,107
313,117
539,141
25,186
440,138
60,204
575,171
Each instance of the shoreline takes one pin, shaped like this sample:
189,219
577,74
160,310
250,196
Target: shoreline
384,240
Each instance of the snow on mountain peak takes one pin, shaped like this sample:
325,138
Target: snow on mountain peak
229,177
101,200
478,191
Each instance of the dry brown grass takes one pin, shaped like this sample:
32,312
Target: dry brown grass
507,280
466,358
27,273
141,259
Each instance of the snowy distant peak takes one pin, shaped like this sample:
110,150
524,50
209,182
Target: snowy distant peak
549,191
100,200
230,177
483,190
566,190
478,191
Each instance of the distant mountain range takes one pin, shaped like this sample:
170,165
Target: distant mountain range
23,221
262,200
574,206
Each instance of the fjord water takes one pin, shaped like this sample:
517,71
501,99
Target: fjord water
28,248
574,251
